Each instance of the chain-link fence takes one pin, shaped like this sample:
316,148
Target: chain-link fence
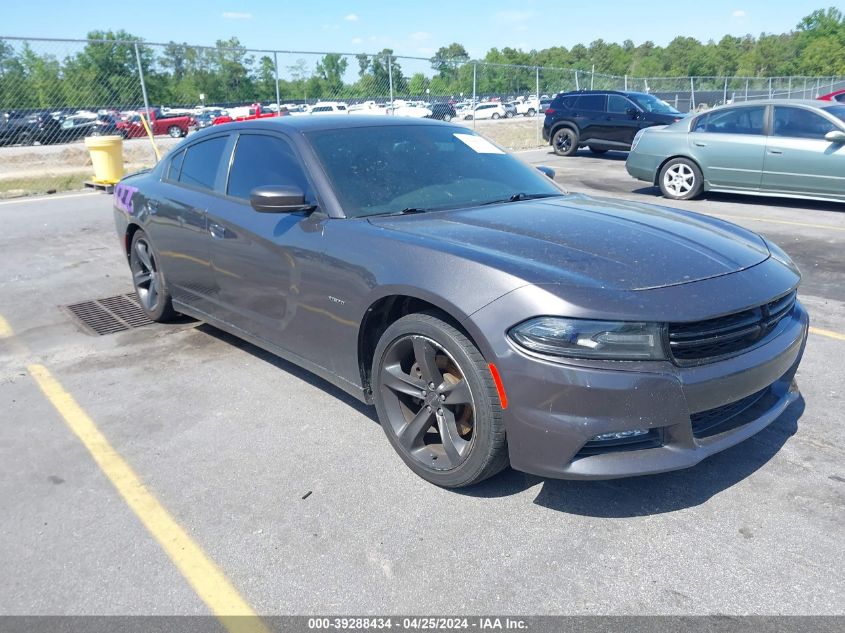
55,93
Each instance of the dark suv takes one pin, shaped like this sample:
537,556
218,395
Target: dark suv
602,119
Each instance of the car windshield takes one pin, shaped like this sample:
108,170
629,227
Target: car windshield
650,103
396,168
838,111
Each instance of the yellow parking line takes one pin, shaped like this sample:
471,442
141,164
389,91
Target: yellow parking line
209,582
5,328
804,224
828,333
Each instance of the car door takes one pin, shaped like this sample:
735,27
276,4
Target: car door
590,114
729,145
622,123
798,158
265,263
178,223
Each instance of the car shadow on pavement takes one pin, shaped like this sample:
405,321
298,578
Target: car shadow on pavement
294,370
653,494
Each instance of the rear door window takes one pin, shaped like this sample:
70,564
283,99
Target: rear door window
745,120
175,166
202,162
591,102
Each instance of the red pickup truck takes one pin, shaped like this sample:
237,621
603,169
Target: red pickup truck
175,126
255,112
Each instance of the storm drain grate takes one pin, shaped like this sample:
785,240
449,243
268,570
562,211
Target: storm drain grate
109,315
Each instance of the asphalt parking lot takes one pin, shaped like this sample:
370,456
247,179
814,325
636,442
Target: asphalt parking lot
290,490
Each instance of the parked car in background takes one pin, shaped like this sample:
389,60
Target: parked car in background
775,147
838,96
602,119
255,111
486,111
15,128
489,316
443,111
510,109
75,127
206,117
528,107
172,126
329,107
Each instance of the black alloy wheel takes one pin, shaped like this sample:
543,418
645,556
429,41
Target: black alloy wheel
565,142
148,279
437,402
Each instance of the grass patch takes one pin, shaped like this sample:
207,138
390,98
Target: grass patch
33,185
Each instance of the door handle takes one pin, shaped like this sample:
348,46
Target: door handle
700,144
775,151
217,232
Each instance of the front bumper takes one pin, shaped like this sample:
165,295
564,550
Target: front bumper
557,408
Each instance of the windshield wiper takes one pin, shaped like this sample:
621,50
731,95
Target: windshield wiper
405,211
518,197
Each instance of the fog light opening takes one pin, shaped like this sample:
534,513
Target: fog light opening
619,435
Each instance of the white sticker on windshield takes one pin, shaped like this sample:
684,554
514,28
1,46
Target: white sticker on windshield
479,144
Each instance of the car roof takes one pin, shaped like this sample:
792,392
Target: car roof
326,122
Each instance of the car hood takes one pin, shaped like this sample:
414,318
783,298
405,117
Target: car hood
580,240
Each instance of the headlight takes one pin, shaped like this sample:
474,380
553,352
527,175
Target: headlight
778,254
576,338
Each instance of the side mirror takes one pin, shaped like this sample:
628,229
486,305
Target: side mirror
633,113
278,199
835,136
547,170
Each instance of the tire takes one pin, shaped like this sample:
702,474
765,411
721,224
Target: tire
447,117
508,114
175,131
565,141
148,279
531,112
680,179
598,151
413,422
495,115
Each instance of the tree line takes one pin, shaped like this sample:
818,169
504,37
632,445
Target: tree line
103,73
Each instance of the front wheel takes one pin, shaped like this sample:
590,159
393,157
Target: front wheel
531,112
175,131
565,141
150,287
447,117
680,179
495,115
437,402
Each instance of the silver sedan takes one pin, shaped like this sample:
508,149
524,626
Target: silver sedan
774,147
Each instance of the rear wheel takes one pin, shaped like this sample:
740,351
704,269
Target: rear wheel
437,402
565,141
680,179
175,131
447,117
150,287
495,115
531,112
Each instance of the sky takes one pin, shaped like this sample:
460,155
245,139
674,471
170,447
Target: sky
415,28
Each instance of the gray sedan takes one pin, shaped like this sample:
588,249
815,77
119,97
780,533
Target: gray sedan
776,147
490,317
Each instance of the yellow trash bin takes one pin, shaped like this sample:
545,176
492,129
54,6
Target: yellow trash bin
106,157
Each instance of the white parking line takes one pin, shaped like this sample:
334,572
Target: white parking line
46,198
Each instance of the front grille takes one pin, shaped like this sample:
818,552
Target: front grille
726,417
652,439
731,334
